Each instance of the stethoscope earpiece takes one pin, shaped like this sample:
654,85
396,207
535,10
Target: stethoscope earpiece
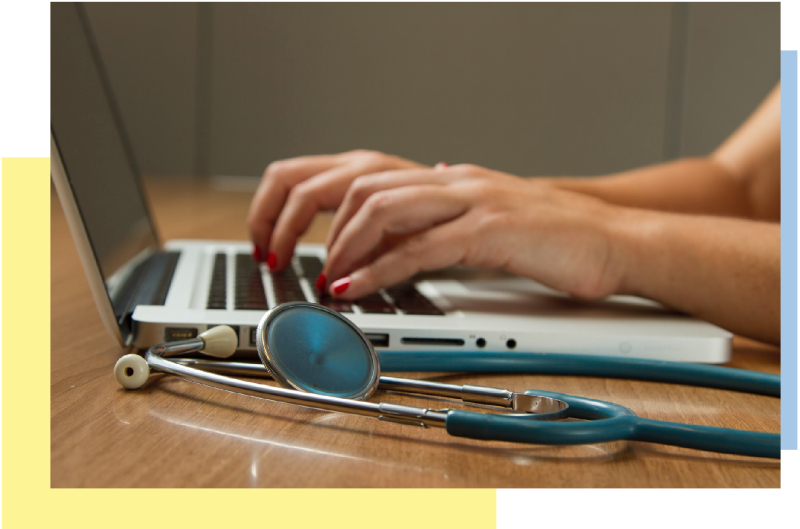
132,371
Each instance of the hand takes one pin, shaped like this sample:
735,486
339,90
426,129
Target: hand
292,191
395,224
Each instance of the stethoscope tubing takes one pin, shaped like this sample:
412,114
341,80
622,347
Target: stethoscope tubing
610,422
616,422
603,421
717,377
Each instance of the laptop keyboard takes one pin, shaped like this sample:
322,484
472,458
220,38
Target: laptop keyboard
249,289
250,293
217,294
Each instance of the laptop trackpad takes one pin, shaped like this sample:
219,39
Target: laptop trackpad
495,292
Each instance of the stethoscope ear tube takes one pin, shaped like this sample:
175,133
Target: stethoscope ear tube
717,377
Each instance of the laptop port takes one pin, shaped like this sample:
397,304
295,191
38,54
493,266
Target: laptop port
378,340
433,341
173,334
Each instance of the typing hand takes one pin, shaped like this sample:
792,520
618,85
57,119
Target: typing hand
292,191
395,224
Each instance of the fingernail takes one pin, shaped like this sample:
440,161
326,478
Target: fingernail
257,257
321,283
272,260
341,285
441,165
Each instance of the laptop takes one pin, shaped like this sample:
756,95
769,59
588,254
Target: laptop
147,292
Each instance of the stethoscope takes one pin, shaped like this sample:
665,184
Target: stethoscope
323,361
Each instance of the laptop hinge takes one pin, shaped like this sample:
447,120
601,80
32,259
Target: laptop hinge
147,285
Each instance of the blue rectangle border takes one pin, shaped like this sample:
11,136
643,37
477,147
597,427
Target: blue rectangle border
789,250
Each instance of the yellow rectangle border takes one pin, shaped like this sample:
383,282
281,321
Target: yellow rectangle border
28,500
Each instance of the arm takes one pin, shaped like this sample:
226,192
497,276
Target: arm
741,178
723,270
628,233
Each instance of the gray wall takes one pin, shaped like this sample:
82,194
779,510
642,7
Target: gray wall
565,89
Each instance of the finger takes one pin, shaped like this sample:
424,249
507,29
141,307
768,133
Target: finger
367,185
273,189
396,211
324,191
438,247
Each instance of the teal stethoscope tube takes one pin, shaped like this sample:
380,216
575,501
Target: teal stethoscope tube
609,422
583,365
605,421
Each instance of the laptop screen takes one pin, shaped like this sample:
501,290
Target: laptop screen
93,149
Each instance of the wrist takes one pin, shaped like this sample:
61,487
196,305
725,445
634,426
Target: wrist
631,233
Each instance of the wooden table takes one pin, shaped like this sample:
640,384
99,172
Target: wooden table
173,433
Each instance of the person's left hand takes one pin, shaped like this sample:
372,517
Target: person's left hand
394,224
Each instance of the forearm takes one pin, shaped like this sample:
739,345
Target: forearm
726,271
741,178
692,185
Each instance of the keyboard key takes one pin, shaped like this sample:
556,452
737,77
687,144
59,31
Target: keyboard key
411,302
286,286
374,304
217,294
311,267
249,294
336,304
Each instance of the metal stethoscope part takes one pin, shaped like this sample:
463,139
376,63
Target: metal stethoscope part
132,371
323,361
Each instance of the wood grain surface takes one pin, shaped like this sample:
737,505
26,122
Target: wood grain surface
173,433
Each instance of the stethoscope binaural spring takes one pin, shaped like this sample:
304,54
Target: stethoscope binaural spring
324,361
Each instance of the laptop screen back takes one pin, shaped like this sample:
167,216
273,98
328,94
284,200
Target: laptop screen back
93,149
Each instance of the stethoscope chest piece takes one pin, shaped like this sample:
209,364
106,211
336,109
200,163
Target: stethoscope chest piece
315,349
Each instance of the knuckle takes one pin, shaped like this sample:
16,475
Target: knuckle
466,168
415,247
278,169
479,189
359,152
378,203
362,188
366,156
302,194
493,222
373,159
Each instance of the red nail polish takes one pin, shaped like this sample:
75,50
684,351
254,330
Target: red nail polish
257,257
341,285
321,283
272,260
442,165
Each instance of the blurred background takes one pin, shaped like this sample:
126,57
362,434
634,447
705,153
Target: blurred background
532,89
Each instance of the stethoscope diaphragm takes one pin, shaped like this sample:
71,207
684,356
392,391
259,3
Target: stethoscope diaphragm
315,349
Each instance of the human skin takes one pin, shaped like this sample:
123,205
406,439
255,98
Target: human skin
699,235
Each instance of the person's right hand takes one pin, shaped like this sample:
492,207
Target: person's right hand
292,191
